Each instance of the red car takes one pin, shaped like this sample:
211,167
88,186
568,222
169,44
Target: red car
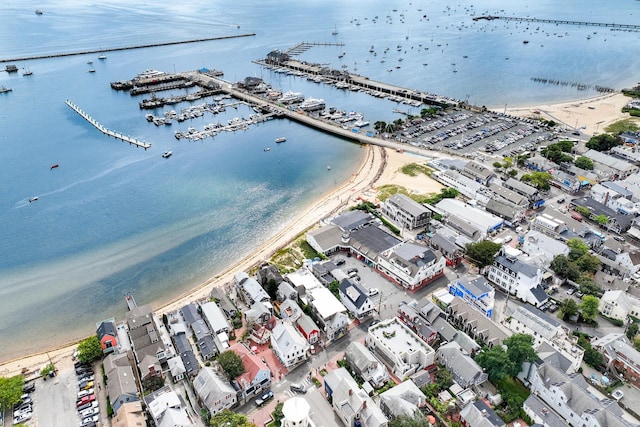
86,399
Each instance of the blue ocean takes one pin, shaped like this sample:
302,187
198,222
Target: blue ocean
113,218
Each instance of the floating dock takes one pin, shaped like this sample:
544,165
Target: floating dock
108,132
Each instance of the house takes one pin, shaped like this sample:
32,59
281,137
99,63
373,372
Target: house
130,414
478,172
617,222
213,392
329,312
419,320
410,265
620,356
290,311
368,242
191,313
447,246
256,377
353,220
479,414
619,305
148,346
250,290
569,397
350,402
615,197
308,328
286,292
176,368
167,408
107,335
296,413
204,339
517,277
530,192
538,411
403,399
355,298
121,386
225,303
365,364
475,324
610,167
303,281
406,212
468,214
465,185
505,195
507,211
288,345
189,360
465,370
268,272
218,324
399,348
476,291
535,243
259,313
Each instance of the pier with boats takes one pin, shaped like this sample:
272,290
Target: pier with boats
131,140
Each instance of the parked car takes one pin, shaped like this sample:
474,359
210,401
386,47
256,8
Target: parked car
299,388
373,291
571,291
87,405
89,412
83,393
86,377
352,270
264,398
340,262
86,399
29,388
90,419
618,238
21,418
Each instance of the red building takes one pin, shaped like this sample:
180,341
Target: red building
108,336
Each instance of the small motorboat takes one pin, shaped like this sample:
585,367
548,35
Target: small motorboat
89,62
267,149
167,154
281,139
54,166
102,57
329,167
91,70
33,199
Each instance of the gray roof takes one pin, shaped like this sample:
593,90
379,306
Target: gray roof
617,188
371,241
479,414
416,254
307,324
477,169
539,294
598,208
354,291
359,355
207,346
407,204
106,328
190,313
609,161
403,399
477,286
502,209
465,370
477,321
461,225
215,317
446,244
536,320
286,289
509,195
514,264
139,316
444,328
352,220
550,355
542,410
521,187
327,237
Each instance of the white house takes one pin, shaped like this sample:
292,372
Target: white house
398,347
214,392
330,313
355,298
288,345
410,265
465,370
619,305
366,365
167,408
517,277
536,243
475,291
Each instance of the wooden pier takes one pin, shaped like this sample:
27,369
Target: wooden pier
559,22
108,132
131,302
305,46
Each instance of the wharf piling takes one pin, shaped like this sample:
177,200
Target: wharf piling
108,132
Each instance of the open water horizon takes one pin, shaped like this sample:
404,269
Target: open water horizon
113,219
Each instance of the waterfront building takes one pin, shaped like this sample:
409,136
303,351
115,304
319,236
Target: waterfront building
410,265
406,212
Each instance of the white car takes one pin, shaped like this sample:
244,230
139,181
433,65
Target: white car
21,418
373,291
89,412
83,393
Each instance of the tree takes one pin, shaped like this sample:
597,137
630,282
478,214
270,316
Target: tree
89,349
565,268
577,248
415,420
379,125
444,378
603,142
497,165
588,262
449,193
588,286
512,173
231,364
592,357
584,163
636,343
601,219
482,253
10,391
589,307
496,362
568,307
334,287
520,349
632,331
227,418
585,212
152,383
507,162
538,179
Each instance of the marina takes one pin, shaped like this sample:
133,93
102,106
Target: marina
104,130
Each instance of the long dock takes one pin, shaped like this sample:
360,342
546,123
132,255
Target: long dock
108,132
114,49
559,22
131,302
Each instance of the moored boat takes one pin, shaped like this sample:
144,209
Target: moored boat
4,89
167,154
281,139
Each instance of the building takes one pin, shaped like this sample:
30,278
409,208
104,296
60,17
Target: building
148,346
213,392
513,198
615,197
355,298
620,356
619,305
476,291
410,265
478,172
250,290
290,311
218,325
188,357
478,218
617,222
121,386
256,377
475,324
329,312
446,244
406,212
399,348
531,193
107,335
517,277
288,345
286,291
538,411
465,370
535,243
130,414
268,272
466,186
403,399
167,409
417,320
350,403
479,414
296,413
365,364
610,167
176,368
308,328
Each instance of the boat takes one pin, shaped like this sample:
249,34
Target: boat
167,154
149,74
89,62
360,123
27,72
281,139
4,89
335,31
328,167
54,166
312,104
33,199
291,97
525,42
267,149
38,12
103,56
91,70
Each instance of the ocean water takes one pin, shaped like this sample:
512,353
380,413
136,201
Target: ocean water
113,219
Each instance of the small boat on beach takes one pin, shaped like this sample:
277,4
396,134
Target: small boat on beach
167,154
280,139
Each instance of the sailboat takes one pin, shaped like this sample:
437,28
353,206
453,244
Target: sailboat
27,72
335,31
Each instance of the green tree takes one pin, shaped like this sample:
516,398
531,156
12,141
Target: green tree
520,349
589,307
231,363
577,248
507,162
444,378
568,307
90,349
482,253
497,165
449,193
636,343
10,391
152,383
632,331
603,142
334,287
496,361
588,286
512,173
588,262
585,212
584,163
380,125
601,219
592,357
415,420
228,418
565,268
538,179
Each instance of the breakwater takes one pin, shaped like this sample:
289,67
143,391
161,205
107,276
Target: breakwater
577,85
114,49
559,22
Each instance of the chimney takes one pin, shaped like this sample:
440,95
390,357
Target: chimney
364,404
350,392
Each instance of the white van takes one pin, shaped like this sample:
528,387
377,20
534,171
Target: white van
508,239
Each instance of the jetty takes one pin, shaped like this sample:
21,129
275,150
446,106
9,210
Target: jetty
115,49
559,22
131,302
131,140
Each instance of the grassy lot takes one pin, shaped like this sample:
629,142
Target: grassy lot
626,125
388,190
414,169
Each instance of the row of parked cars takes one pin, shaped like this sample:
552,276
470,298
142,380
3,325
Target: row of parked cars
23,410
86,402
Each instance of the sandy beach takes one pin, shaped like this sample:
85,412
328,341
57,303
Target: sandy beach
590,116
378,167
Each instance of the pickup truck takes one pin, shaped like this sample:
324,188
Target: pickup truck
264,398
